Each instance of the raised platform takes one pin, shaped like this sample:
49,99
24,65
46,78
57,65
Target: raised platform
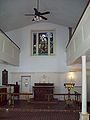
54,101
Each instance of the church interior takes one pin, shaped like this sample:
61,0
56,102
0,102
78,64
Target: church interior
44,60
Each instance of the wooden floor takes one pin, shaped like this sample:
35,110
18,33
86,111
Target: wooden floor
23,110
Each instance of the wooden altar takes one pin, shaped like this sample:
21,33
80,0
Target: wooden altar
42,90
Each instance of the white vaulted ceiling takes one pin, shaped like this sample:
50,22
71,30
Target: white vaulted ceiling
62,12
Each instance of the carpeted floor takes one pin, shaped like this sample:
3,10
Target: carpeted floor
23,110
39,115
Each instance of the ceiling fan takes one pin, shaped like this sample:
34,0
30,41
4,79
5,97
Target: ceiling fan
38,15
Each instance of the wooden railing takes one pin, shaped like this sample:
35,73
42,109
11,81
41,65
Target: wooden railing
77,96
11,96
9,51
9,38
78,23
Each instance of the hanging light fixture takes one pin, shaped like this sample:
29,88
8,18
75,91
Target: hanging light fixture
37,18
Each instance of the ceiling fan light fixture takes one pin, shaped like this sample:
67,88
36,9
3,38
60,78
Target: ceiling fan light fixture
37,18
40,18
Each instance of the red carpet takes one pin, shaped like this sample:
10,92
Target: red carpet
23,110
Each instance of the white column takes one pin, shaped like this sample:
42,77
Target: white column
84,86
84,115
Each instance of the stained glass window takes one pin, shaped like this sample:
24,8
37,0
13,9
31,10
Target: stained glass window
43,43
51,42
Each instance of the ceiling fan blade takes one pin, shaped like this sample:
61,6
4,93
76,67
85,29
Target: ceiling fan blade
36,11
33,19
29,14
43,17
45,13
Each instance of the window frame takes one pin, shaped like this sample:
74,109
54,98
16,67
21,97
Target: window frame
54,42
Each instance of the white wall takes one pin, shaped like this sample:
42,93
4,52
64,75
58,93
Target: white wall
30,63
54,67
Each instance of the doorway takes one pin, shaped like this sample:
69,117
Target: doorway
25,84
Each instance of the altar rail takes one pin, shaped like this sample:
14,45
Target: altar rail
77,96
